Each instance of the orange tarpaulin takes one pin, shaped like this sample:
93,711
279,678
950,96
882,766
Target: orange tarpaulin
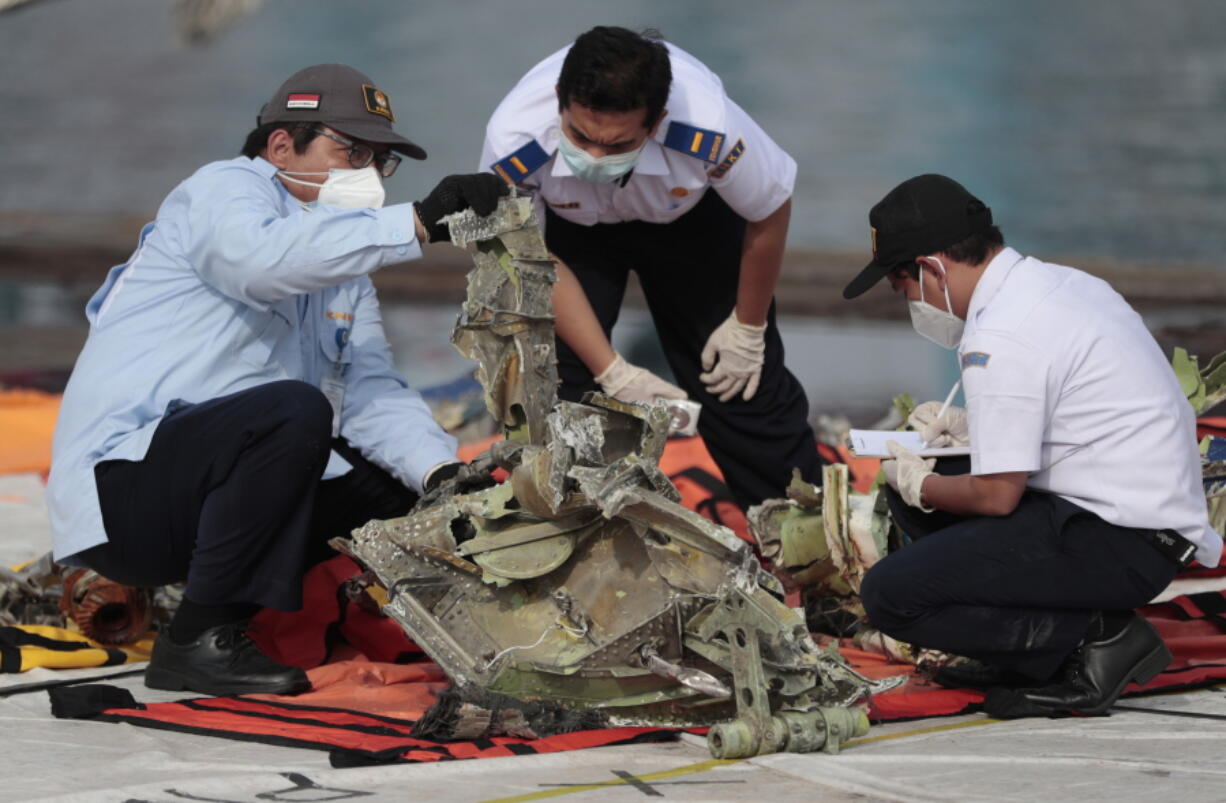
404,691
27,422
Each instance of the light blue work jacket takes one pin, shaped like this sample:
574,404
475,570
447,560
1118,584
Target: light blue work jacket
234,285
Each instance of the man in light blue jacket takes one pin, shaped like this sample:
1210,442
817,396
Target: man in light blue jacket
236,403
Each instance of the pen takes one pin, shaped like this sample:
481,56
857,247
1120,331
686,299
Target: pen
948,400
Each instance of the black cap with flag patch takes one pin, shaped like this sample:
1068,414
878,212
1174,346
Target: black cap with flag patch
921,216
340,97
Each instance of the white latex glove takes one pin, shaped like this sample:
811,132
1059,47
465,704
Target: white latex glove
906,472
630,383
732,359
951,429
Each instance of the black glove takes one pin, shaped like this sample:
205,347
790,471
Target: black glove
456,478
444,472
480,191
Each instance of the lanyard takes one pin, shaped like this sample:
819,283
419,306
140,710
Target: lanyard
333,382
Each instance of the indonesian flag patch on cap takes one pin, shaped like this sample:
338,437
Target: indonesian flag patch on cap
302,100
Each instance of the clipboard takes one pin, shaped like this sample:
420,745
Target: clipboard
871,443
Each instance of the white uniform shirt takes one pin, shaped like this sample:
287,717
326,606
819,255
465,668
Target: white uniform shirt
1063,381
730,152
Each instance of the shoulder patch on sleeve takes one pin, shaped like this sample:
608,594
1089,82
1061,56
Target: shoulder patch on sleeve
973,358
522,163
693,141
729,160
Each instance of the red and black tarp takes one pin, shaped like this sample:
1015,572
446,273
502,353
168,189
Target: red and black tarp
353,738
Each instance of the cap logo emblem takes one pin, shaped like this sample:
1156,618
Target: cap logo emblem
302,100
376,102
873,235
678,192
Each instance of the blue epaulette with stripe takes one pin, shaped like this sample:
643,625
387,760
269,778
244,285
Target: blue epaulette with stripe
694,141
522,163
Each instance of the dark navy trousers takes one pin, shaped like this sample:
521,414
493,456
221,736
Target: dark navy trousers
689,270
1015,591
229,498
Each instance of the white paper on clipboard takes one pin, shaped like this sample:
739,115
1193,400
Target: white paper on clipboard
871,443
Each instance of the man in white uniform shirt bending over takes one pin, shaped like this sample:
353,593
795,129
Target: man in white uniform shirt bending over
640,161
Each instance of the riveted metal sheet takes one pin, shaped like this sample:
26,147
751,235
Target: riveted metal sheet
642,584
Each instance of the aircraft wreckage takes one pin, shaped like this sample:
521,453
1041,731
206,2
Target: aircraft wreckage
579,583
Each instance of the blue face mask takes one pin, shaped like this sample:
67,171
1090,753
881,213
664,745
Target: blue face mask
598,169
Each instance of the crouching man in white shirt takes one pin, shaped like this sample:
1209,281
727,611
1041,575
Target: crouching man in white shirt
1083,494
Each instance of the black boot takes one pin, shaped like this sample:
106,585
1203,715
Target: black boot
978,675
222,661
1091,679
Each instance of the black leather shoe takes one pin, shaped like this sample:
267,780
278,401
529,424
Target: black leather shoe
1091,679
224,660
980,676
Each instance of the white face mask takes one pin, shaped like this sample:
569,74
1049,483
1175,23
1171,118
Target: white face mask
345,189
938,325
597,169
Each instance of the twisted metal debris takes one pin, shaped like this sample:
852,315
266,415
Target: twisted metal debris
580,581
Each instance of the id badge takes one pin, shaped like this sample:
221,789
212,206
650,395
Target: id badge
333,387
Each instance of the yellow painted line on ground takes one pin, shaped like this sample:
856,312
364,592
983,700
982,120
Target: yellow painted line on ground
688,769
885,737
703,766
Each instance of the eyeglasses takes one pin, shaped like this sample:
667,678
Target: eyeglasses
360,155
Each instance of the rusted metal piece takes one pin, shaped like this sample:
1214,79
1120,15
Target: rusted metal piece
106,611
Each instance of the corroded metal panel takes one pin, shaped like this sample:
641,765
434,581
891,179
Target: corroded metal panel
580,581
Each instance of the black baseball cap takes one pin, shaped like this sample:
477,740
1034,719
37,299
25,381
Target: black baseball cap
340,97
921,216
